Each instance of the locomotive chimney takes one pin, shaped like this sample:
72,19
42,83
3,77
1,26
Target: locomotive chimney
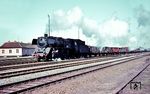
45,35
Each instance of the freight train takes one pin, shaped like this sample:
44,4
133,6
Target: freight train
50,48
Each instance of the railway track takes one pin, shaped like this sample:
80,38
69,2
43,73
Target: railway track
23,71
32,64
58,75
12,61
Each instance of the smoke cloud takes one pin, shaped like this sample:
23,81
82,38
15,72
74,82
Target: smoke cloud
112,32
142,34
143,16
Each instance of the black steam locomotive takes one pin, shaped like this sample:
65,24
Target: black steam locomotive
50,47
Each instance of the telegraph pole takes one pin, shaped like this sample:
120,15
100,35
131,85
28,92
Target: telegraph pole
78,33
49,24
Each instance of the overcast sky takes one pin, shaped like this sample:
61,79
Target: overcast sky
100,22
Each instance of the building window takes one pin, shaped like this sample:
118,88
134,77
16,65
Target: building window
17,50
3,51
10,51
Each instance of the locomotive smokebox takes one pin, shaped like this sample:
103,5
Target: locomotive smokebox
45,35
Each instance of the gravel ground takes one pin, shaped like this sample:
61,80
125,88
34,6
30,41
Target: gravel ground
143,88
104,81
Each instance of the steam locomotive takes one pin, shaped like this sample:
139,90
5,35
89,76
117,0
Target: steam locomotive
50,47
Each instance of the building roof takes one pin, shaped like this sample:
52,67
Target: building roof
17,45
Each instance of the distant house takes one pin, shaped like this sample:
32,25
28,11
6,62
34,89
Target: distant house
16,49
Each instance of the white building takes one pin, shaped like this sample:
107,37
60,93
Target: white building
16,49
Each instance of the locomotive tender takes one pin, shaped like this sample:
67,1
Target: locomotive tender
50,47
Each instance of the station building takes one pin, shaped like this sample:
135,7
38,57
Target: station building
16,49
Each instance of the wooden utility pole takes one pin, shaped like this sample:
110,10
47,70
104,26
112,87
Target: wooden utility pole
49,24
